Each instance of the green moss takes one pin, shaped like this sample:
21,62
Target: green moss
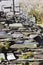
28,55
30,63
22,64
6,45
1,59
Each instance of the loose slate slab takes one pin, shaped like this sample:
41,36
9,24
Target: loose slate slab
17,34
16,25
33,35
2,57
3,34
10,56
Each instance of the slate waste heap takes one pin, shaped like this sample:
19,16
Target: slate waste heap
21,40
